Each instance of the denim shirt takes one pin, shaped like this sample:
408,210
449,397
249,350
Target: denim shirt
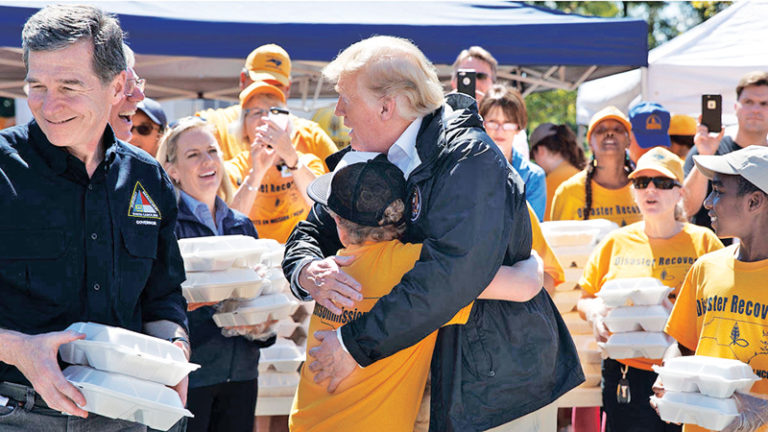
534,178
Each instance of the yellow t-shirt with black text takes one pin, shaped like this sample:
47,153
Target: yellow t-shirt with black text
386,395
629,253
616,205
279,205
722,311
557,176
552,265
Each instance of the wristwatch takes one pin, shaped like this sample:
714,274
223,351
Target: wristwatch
179,338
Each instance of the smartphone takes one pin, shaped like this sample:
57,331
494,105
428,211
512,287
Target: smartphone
279,116
465,79
712,112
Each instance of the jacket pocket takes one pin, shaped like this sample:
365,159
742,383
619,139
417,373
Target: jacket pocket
135,263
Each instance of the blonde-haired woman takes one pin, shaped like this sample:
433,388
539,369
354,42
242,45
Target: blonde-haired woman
222,393
663,246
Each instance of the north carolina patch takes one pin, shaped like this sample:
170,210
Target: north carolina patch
415,204
141,205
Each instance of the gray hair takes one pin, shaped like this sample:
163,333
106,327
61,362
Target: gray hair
479,53
392,67
130,58
237,127
59,26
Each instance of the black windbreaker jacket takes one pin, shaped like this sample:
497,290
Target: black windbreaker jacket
467,206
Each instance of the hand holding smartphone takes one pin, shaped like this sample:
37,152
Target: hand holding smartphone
279,116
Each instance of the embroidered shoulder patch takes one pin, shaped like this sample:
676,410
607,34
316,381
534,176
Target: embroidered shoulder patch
141,205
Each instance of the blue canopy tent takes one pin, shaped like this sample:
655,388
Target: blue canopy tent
196,49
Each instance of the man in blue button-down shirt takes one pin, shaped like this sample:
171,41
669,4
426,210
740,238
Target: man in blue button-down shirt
86,222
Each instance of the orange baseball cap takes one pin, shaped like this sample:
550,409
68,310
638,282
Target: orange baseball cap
260,87
609,112
269,62
661,160
681,124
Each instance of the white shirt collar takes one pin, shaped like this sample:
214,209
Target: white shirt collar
403,152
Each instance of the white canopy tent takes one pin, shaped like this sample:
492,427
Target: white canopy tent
708,59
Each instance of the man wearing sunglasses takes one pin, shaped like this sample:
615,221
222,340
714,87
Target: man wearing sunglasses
121,114
149,123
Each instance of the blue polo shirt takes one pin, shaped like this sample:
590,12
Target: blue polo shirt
74,248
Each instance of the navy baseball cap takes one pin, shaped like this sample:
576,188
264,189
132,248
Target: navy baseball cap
650,124
154,111
361,188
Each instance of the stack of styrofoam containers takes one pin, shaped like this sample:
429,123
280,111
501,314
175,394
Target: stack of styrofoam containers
699,390
244,275
636,318
124,374
573,242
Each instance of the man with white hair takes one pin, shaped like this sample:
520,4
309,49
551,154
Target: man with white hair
468,209
121,115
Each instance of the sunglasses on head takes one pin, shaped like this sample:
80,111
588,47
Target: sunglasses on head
658,182
143,129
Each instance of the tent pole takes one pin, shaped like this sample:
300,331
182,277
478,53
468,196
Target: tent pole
644,83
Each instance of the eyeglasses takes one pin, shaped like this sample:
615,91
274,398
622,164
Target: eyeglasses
665,183
143,129
133,84
618,130
255,112
494,125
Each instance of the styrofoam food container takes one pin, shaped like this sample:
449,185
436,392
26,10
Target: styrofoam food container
283,356
575,233
254,311
637,318
572,274
593,373
573,256
277,383
696,408
576,324
122,397
115,349
222,252
274,257
275,282
586,347
712,376
566,301
644,291
650,345
220,285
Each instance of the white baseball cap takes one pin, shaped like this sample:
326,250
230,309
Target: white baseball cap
750,162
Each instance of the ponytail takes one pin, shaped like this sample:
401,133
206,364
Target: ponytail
588,187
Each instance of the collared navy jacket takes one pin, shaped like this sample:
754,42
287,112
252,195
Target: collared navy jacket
74,248
467,206
222,359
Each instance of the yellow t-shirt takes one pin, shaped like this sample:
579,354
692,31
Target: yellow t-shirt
279,206
384,396
563,172
629,253
308,136
722,311
616,205
552,265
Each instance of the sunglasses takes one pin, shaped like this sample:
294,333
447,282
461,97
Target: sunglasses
492,125
665,183
255,112
143,129
482,76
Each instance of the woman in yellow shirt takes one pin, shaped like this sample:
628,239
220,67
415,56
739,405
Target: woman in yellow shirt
661,246
602,190
554,148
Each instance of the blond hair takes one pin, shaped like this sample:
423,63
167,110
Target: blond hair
393,67
167,151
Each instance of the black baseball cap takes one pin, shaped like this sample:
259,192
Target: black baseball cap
361,188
